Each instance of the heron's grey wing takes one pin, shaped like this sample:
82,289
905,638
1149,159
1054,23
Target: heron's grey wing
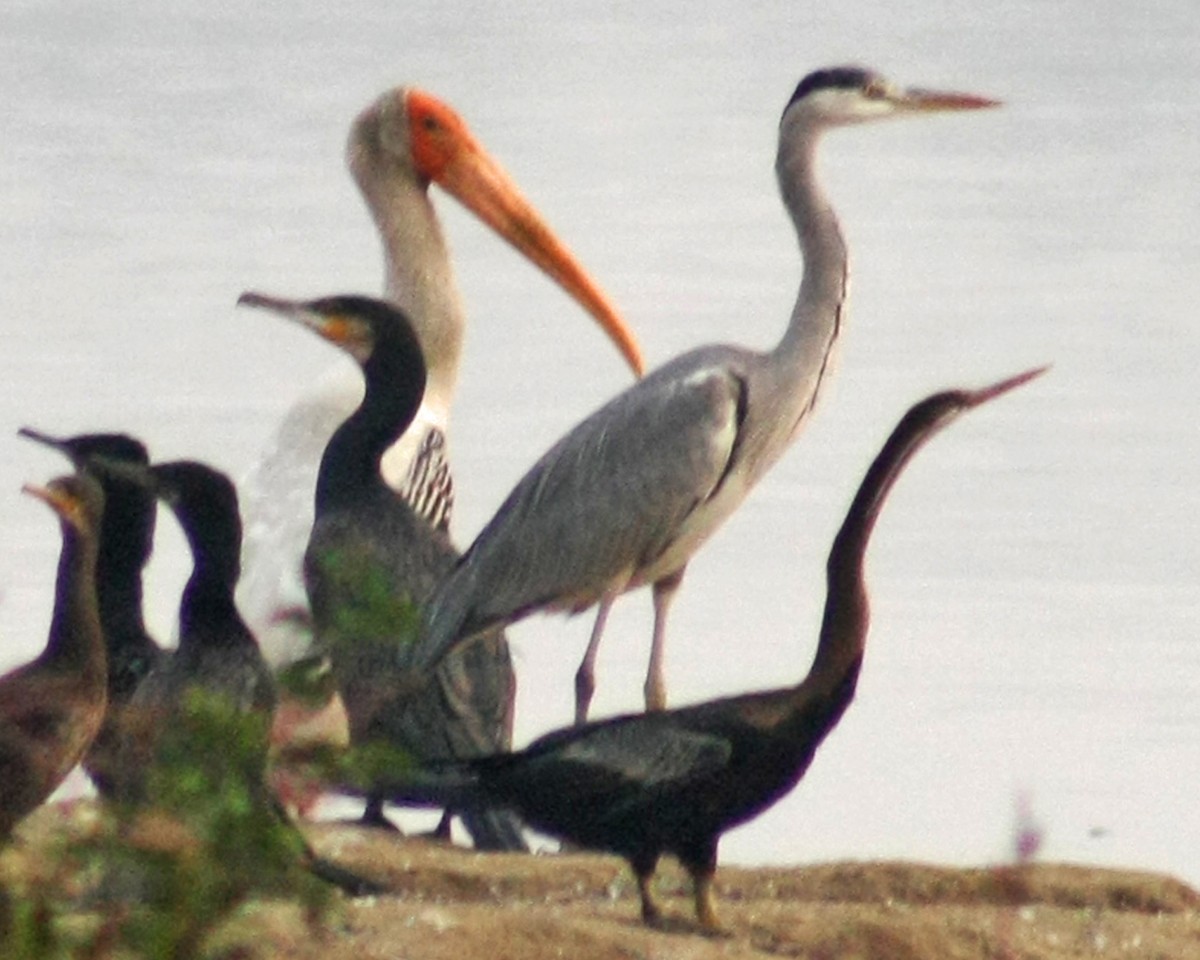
604,502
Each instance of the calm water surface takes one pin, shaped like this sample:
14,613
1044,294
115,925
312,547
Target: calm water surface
1034,576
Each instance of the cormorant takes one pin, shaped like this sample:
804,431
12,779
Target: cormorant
217,655
52,707
372,562
216,652
126,541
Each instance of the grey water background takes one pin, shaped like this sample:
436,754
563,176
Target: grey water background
1034,577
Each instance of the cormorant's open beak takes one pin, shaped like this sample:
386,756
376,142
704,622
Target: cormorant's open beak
928,101
60,500
446,153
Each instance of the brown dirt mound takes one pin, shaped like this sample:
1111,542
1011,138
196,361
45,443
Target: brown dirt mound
454,903
449,903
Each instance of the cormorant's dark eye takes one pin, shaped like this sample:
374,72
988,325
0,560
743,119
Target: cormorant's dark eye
430,123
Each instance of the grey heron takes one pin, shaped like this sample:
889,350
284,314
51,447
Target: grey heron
627,497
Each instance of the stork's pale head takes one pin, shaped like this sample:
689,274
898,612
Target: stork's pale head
408,139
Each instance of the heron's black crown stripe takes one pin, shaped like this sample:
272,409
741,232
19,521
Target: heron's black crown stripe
839,78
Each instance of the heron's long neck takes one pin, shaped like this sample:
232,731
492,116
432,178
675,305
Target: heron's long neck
803,356
419,278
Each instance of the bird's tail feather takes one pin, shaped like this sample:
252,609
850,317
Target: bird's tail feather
445,784
449,784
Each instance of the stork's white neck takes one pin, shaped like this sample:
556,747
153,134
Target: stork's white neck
420,279
398,460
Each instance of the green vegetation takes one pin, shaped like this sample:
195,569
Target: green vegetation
162,881
168,879
367,608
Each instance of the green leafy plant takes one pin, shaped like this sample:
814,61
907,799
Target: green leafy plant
165,878
365,607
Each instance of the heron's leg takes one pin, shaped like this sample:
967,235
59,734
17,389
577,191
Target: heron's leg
656,680
585,676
